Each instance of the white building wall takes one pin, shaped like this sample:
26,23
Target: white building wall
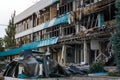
33,9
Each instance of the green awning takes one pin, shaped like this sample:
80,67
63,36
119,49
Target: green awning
33,45
11,52
40,43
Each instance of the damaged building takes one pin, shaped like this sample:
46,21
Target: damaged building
71,31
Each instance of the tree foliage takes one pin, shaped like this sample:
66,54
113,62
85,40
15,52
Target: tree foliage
96,67
1,48
10,33
1,45
116,37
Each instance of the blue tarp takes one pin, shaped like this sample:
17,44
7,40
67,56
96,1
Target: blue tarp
33,45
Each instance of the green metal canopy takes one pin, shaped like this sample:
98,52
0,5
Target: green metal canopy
33,45
40,43
11,52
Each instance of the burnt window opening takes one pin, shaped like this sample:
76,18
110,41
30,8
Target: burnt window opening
89,21
113,9
84,21
43,34
36,36
109,12
47,14
54,31
71,6
91,1
40,34
87,2
69,30
34,19
69,53
67,7
27,26
38,19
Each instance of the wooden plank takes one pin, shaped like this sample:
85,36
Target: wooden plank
53,11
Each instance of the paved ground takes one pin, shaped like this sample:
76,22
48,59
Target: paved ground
72,78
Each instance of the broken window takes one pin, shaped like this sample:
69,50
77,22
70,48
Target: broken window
44,34
64,8
54,31
69,29
70,54
34,20
36,36
92,1
38,19
46,14
109,12
41,18
90,21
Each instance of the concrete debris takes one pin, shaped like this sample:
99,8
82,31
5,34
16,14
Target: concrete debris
29,67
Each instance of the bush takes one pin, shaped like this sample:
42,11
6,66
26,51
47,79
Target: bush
96,67
115,74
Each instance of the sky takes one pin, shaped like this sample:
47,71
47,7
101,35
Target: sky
7,8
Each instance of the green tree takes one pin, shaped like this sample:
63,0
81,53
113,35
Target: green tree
1,48
10,33
116,37
1,45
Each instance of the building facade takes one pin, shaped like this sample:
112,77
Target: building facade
73,31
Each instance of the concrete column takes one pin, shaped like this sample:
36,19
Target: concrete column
31,36
32,20
85,52
63,56
59,55
82,55
74,5
75,54
48,51
32,29
61,32
77,28
95,54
